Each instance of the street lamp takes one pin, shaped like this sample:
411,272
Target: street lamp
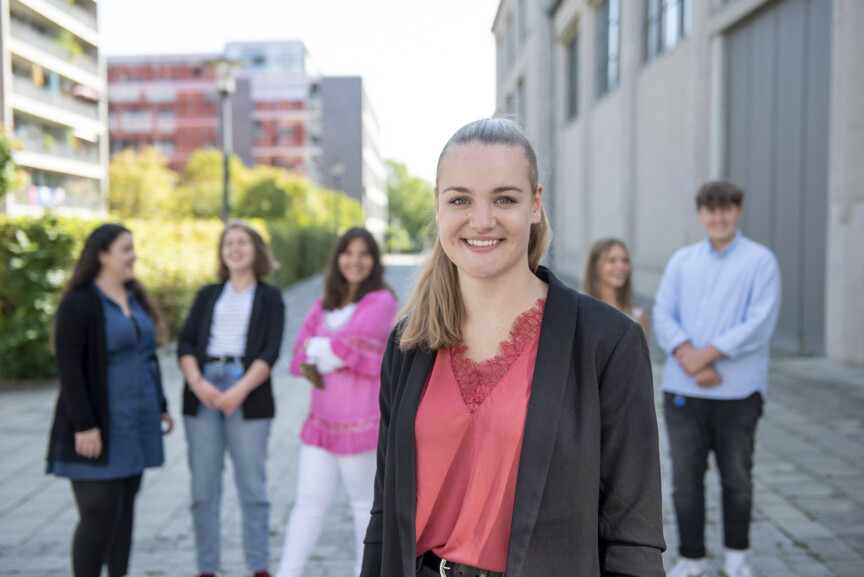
225,84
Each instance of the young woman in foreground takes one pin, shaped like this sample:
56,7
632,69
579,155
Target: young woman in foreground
517,432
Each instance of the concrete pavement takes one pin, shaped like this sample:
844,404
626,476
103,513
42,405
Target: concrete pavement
809,476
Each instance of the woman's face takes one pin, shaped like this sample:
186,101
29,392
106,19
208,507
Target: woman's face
355,262
118,262
613,269
485,208
238,251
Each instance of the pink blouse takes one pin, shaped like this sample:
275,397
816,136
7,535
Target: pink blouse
343,416
468,436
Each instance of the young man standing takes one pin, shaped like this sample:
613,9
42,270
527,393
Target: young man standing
714,315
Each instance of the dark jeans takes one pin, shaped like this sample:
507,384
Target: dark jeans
104,533
697,427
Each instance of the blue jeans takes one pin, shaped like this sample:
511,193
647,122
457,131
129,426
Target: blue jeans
697,427
208,434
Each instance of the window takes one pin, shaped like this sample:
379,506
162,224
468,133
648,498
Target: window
511,41
521,104
667,23
573,77
608,41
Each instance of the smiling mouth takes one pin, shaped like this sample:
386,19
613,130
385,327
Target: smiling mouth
482,243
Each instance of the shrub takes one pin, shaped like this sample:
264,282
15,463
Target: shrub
35,258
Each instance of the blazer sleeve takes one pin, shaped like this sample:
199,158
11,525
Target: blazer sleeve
374,539
307,329
71,345
360,344
274,308
187,340
630,516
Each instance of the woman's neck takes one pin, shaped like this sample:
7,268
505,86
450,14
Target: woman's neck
111,286
494,302
242,280
349,296
609,295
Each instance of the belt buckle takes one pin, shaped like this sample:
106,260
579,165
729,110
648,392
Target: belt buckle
442,569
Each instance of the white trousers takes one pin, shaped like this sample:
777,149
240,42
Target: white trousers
318,473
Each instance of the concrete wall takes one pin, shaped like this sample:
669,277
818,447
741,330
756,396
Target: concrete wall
844,268
630,163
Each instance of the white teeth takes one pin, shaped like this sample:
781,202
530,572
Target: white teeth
482,242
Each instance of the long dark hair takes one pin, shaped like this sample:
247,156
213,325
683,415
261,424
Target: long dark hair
87,268
336,285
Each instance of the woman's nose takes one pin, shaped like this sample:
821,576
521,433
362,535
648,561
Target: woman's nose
482,217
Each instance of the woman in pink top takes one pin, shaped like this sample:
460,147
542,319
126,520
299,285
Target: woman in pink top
518,434
343,335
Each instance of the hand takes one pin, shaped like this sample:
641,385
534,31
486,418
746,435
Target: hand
231,399
88,443
167,423
707,377
207,393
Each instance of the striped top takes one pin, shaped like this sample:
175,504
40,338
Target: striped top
231,321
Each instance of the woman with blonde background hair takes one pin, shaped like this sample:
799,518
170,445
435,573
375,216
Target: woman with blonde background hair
607,277
226,350
517,432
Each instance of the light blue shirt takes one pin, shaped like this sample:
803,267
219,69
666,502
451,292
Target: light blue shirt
728,299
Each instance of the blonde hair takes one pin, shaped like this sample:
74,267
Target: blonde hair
432,317
591,282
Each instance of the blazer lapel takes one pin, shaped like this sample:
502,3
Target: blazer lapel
554,354
252,330
406,469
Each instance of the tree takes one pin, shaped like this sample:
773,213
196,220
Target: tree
200,191
411,206
140,184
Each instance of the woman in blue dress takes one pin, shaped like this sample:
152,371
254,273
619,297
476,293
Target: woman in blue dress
111,412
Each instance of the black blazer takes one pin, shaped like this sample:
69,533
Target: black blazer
82,365
588,488
263,341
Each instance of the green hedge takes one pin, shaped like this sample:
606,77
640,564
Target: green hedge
175,258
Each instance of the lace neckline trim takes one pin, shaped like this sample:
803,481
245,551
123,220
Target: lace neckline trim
477,379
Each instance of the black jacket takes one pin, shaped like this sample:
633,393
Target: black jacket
82,365
588,488
263,341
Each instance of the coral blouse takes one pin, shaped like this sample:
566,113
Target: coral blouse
468,435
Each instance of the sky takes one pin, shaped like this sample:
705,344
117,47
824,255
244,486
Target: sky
428,67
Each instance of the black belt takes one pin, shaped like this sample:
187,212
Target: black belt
221,360
452,569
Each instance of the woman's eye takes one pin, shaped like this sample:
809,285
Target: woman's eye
506,200
459,201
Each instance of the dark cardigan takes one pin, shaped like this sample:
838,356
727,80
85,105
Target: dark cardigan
82,365
588,488
263,341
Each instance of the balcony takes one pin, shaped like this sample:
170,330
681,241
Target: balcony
28,89
49,45
79,13
46,144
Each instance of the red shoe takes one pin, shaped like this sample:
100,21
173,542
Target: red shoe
207,575
264,573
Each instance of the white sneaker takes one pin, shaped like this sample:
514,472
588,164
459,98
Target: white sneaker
742,569
689,568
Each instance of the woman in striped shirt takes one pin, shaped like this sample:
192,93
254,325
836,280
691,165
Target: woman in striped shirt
226,349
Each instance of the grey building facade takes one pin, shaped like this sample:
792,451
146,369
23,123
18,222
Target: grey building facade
52,101
651,98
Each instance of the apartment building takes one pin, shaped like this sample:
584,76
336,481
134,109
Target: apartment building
283,113
637,102
52,87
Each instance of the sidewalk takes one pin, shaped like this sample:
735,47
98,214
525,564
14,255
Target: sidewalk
808,519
